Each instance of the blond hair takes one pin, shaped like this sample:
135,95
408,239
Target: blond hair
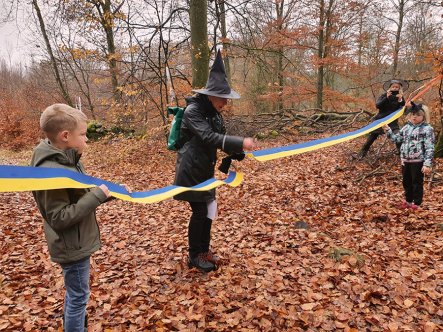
427,116
60,117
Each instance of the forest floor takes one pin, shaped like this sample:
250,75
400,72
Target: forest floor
363,264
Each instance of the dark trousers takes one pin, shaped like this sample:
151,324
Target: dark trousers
199,229
413,182
374,135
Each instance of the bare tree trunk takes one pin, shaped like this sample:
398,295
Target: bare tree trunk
279,5
198,16
324,35
401,13
327,37
221,5
106,20
360,40
60,84
320,54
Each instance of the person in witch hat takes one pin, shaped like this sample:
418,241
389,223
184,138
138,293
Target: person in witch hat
202,132
387,103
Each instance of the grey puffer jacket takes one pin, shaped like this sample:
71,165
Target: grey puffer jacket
70,224
202,132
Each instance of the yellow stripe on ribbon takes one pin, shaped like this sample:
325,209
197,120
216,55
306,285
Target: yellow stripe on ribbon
294,149
24,178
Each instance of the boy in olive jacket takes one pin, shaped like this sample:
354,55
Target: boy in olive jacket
70,224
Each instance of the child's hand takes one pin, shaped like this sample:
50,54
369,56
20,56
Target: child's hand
408,103
105,190
426,170
386,128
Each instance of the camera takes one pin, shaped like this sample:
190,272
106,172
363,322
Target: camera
394,93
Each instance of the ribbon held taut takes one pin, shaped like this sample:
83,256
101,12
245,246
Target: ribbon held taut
24,178
294,149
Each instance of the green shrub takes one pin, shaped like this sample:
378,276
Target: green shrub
97,131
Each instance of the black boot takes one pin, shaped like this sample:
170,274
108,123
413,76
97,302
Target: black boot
205,238
369,141
201,262
363,152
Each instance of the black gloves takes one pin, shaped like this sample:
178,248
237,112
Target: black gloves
238,156
225,164
226,161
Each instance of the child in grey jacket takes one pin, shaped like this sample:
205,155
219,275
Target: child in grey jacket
416,153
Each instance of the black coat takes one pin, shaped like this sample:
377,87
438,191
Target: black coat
387,105
203,132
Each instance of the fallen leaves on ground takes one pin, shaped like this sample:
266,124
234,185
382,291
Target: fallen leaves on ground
278,278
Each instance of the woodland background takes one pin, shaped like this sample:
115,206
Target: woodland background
305,70
289,60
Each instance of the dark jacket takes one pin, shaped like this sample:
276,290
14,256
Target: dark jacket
202,132
70,224
387,105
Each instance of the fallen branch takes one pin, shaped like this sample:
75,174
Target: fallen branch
318,122
377,171
434,177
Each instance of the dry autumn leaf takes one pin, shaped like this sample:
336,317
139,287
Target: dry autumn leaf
308,306
429,327
408,303
393,327
277,277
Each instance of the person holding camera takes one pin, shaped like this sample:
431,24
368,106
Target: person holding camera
387,103
202,132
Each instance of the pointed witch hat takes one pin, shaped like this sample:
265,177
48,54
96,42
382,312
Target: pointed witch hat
217,84
404,84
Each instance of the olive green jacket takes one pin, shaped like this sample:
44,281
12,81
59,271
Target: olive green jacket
70,224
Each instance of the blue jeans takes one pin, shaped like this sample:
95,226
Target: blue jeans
76,277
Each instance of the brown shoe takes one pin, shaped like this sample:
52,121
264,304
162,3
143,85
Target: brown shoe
202,263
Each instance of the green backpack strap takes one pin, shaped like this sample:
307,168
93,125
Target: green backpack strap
174,133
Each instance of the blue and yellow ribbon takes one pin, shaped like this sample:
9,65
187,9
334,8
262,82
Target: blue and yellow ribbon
24,178
291,150
294,149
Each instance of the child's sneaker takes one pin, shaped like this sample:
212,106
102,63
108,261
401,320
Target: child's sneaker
412,206
404,205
